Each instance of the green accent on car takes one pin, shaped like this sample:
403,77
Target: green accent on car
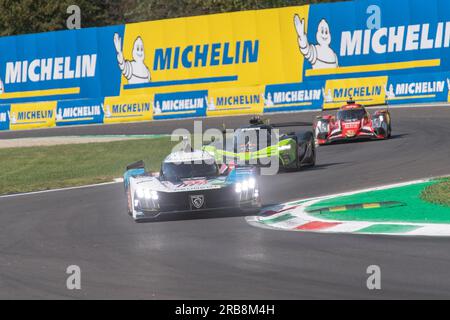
287,154
414,210
388,228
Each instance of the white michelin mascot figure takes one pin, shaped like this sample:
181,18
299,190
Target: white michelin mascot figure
135,71
59,115
107,111
211,105
327,96
12,117
268,102
156,108
389,93
320,55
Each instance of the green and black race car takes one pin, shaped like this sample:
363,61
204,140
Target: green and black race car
260,143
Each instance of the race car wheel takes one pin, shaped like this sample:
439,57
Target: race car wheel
300,160
313,153
387,133
306,159
298,163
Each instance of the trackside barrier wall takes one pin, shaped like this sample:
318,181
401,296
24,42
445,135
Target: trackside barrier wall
286,59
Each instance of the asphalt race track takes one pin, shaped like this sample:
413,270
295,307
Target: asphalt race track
220,256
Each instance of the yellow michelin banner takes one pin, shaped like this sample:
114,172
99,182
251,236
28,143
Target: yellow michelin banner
32,115
368,91
211,51
128,109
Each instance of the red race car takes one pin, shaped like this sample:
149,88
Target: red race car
352,122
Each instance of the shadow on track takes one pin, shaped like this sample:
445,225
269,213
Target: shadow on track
219,214
316,167
364,140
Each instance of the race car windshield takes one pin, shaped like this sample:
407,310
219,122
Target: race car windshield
351,115
252,140
177,171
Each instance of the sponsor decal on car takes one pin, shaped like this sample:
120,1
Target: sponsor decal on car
197,201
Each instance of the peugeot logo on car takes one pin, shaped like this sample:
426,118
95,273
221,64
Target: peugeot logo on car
198,201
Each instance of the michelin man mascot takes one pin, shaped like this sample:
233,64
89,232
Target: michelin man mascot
390,94
12,117
268,102
59,115
320,55
327,96
135,71
211,105
156,108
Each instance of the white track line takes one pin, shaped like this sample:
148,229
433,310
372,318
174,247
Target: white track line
116,181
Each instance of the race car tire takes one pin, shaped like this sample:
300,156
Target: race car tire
306,161
298,162
387,134
313,154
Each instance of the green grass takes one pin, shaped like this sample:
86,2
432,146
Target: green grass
415,210
42,168
438,193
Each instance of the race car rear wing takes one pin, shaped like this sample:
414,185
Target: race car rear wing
291,124
259,121
136,165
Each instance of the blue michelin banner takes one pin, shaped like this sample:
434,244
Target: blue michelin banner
180,105
419,88
376,37
293,96
76,112
59,65
4,117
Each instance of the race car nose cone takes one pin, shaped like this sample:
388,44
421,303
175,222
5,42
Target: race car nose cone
350,133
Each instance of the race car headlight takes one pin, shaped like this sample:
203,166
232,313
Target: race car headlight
150,194
323,126
147,194
246,185
376,122
140,193
284,148
251,183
